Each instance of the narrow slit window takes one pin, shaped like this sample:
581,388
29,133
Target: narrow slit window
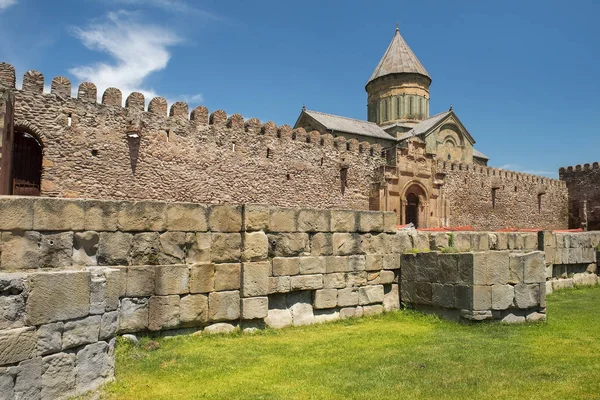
494,198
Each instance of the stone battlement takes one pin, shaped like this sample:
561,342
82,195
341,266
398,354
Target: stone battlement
578,168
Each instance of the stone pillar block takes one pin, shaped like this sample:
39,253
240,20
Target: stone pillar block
370,221
255,279
288,244
58,215
163,312
142,216
224,306
343,221
256,217
283,220
307,282
255,307
140,281
226,247
172,279
325,298
202,278
256,246
314,221
370,294
225,218
187,217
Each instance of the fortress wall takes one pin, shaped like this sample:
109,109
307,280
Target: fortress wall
468,191
183,156
583,182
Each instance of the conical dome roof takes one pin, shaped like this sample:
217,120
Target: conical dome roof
398,59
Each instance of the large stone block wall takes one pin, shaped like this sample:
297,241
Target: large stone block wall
183,156
493,285
583,183
489,198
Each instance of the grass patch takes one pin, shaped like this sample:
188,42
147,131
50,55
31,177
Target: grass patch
397,355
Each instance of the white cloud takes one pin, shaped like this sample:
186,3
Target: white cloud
4,4
192,99
177,6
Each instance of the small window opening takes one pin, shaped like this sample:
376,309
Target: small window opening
540,203
169,136
69,119
515,188
494,198
269,155
288,177
482,185
322,160
233,146
449,157
347,146
94,152
344,178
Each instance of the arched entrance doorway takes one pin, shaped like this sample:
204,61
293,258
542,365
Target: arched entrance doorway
26,164
412,209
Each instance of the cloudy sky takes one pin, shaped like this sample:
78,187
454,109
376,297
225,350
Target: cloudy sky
521,75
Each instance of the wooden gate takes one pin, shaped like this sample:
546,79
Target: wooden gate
26,165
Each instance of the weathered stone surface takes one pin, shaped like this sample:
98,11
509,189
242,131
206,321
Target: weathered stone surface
463,296
17,345
20,250
143,216
562,284
328,315
533,267
585,279
256,217
356,279
448,268
370,221
82,331
482,297
146,249
343,221
511,318
56,250
97,290
280,284
374,309
347,297
108,325
256,246
527,296
279,318
357,263
85,248
288,244
171,279
133,315
438,240
227,276
300,306
321,244
370,294
422,293
58,375
503,296
312,265
101,215
57,215
220,328
113,248
224,306
420,241
491,268
43,305
307,282
390,220
193,309
173,247
325,298
186,217
93,367
387,277
391,297
12,310
442,295
373,262
313,220
334,281
286,266
255,307
345,244
391,261
535,317
163,312
350,312
226,247
28,382
516,268
336,264
282,220
16,214
200,247
202,278
255,279
225,218
116,286
49,338
140,281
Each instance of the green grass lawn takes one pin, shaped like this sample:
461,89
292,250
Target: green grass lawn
397,355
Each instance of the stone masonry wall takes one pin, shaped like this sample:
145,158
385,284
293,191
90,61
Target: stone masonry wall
583,183
183,156
489,199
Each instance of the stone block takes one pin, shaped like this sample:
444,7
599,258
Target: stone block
226,247
174,246
516,268
143,216
465,268
491,267
280,284
357,263
45,305
527,296
312,265
533,267
391,261
585,279
20,250
58,376
373,278
462,241
326,315
373,243
373,262
301,310
97,290
515,241
390,220
146,249
374,309
188,217
58,215
400,242
409,267
334,281
279,318
391,297
220,328
542,290
85,248
350,312
255,307
114,248
17,345
224,306
288,244
448,271
426,267
442,295
343,221
171,279
109,324
321,244
116,286
325,298
562,284
356,279
93,367
193,309
530,241
16,213
225,218
81,331
202,278
286,266
256,246
101,215
480,241
227,276
503,297
256,217
313,221
438,240
12,310
255,279
163,312
370,221
463,297
133,315
56,250
387,277
482,297
370,294
282,220
345,244
512,318
49,338
337,264
307,282
420,241
140,281
28,382
535,317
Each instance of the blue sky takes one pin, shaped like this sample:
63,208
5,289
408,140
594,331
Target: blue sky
521,75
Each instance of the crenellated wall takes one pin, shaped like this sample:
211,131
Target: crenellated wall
180,155
489,198
583,183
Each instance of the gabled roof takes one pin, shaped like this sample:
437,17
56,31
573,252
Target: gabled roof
426,125
398,59
348,125
478,154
